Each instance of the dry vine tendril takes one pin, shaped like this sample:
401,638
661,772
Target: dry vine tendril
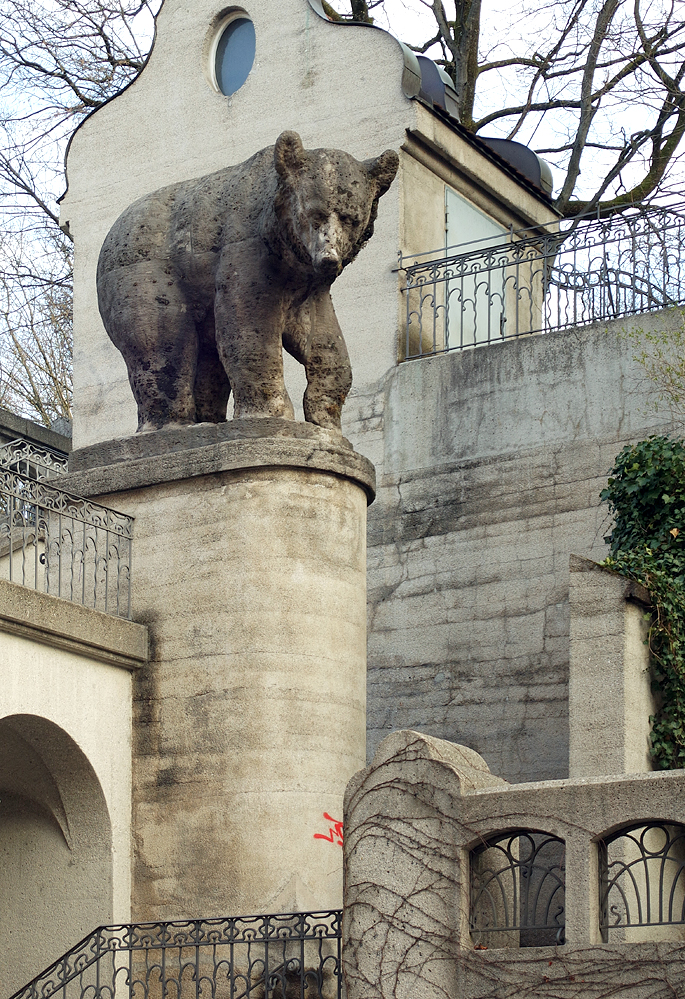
646,495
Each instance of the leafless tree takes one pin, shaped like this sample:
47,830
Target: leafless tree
59,60
594,85
36,325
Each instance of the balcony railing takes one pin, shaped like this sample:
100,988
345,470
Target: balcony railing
36,462
244,957
61,544
539,281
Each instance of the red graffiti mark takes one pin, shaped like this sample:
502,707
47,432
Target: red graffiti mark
335,833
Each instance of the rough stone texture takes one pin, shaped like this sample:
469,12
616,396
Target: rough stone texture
65,776
610,697
202,284
186,452
490,463
411,819
250,717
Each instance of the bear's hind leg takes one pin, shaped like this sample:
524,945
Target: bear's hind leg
146,317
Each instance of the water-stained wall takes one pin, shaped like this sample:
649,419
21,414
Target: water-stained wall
490,462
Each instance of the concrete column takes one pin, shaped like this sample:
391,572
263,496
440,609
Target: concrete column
610,698
250,571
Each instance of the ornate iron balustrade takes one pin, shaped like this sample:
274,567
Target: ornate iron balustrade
536,282
36,462
518,887
64,545
245,957
642,877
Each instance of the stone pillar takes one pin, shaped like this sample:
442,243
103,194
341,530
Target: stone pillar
610,698
249,568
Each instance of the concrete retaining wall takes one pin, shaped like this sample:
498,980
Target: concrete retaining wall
490,463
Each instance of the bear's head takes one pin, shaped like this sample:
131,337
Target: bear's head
327,202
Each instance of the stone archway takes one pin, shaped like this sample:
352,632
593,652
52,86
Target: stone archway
55,848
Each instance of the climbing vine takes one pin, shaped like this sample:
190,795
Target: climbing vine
646,495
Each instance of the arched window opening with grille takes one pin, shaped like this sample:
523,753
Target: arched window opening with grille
518,882
642,883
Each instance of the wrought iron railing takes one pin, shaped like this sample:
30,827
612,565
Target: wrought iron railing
642,877
518,890
64,545
36,462
245,957
539,281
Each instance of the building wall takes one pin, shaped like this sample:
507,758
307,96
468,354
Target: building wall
490,463
65,775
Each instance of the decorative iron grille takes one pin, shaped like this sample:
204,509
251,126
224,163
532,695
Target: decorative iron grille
642,877
36,462
245,957
518,887
64,545
536,282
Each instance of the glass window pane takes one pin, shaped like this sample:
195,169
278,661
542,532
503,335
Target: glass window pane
234,55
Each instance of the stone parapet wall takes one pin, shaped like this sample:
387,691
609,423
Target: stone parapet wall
411,820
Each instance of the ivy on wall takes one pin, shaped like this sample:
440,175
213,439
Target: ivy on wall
646,495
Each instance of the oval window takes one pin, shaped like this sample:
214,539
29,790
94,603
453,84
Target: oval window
235,54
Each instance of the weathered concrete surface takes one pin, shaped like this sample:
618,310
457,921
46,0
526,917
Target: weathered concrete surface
203,283
65,775
490,463
609,697
187,452
12,427
411,819
62,624
250,718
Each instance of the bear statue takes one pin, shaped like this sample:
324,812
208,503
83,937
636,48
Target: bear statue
201,284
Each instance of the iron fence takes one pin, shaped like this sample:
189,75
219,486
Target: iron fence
642,877
290,956
64,545
518,890
36,462
539,281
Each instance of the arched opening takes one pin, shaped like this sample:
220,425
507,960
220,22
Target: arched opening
642,882
518,885
55,848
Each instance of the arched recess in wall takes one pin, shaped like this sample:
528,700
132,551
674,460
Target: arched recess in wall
55,848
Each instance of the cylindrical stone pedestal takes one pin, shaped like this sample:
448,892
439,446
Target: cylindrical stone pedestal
249,568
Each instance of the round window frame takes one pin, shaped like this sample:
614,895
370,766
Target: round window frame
216,32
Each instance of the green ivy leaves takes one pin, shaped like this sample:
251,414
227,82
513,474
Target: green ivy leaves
646,495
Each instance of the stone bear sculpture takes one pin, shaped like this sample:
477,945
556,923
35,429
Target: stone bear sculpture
202,283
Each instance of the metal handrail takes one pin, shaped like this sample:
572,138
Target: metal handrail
37,462
537,281
64,545
238,957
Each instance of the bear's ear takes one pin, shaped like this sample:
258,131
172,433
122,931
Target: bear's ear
289,154
383,169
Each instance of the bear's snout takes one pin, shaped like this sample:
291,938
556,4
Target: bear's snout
327,250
